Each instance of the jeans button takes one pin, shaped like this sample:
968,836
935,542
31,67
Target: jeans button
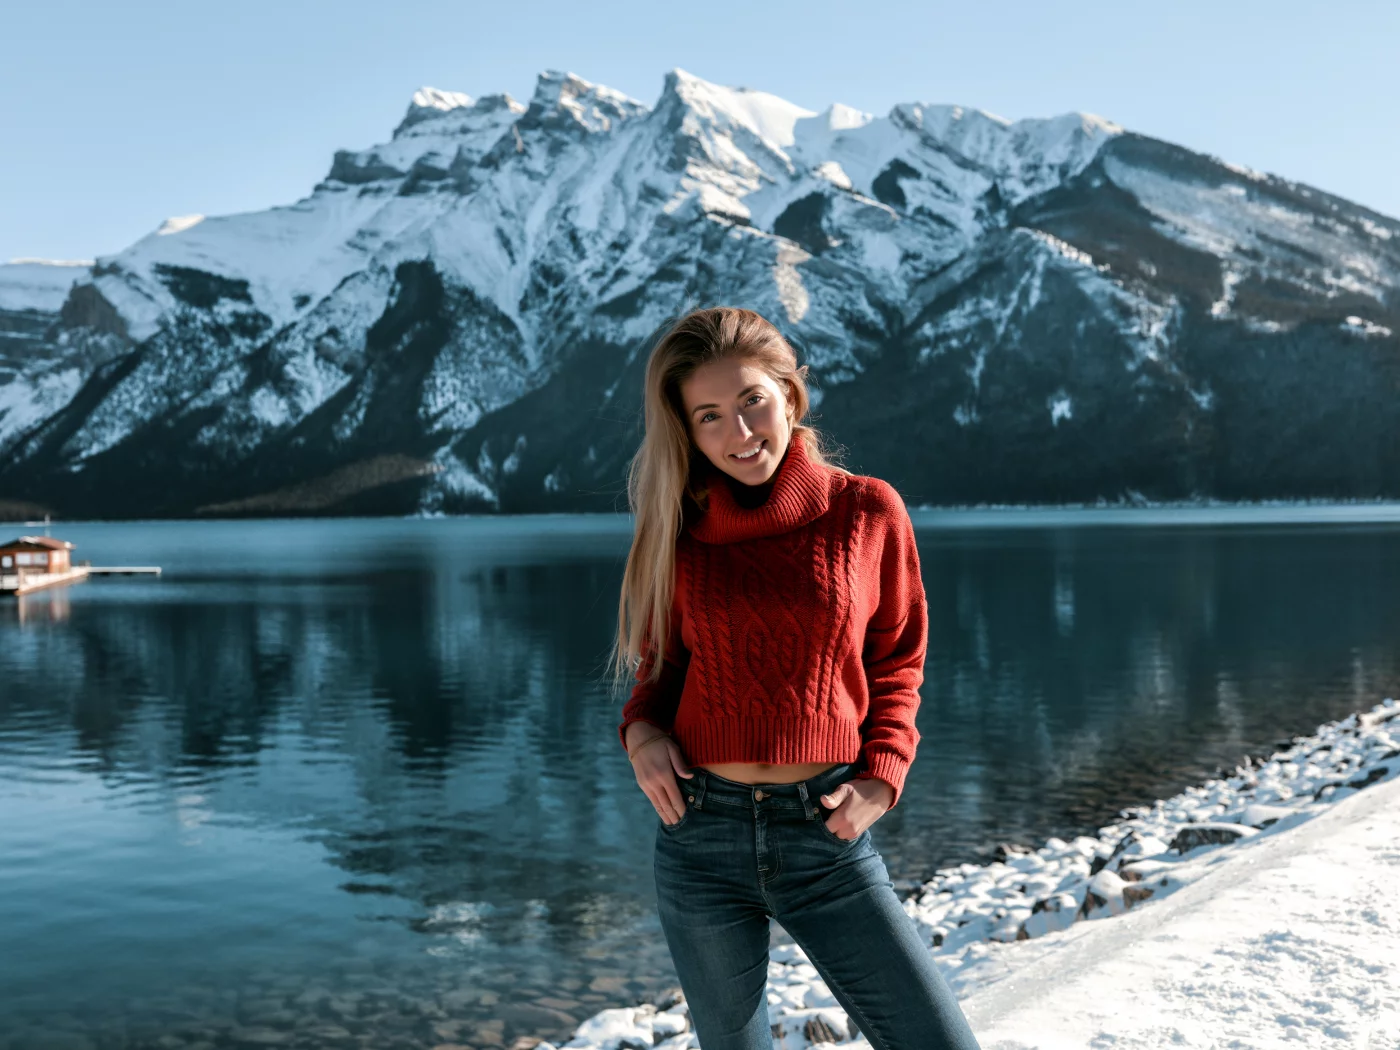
690,797
759,796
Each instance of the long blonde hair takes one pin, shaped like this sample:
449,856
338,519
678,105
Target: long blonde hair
661,474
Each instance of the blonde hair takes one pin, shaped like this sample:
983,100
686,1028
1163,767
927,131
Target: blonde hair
661,474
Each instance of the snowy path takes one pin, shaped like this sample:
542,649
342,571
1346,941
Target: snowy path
1295,941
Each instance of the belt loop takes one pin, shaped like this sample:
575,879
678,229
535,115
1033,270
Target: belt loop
806,802
695,787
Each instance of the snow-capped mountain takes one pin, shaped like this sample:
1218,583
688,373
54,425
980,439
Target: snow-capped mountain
456,319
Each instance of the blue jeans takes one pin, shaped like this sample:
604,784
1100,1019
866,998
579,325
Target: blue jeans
744,853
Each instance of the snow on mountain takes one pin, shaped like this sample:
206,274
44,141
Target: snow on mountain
1257,232
35,382
178,224
1040,309
438,127
430,102
38,284
404,197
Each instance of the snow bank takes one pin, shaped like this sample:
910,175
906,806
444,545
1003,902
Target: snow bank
1294,940
1255,910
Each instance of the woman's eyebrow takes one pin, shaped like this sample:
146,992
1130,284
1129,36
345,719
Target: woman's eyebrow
741,393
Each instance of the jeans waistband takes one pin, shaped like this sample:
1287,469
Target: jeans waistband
710,789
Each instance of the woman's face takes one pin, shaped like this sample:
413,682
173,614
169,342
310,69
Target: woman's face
732,406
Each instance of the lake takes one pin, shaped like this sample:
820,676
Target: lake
357,782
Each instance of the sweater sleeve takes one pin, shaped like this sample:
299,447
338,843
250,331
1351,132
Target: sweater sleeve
896,640
656,702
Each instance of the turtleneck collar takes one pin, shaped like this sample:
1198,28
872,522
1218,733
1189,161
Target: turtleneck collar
801,493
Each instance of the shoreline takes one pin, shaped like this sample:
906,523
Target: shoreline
1372,509
990,926
1159,515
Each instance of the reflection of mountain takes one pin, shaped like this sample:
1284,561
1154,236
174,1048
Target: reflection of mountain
433,725
1046,310
407,647
435,719
436,725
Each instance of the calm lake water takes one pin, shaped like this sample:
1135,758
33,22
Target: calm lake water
356,783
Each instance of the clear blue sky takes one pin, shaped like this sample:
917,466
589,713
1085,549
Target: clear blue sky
114,116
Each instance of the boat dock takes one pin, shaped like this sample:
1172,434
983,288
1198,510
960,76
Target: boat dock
19,586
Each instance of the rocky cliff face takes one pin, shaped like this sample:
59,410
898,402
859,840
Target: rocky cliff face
455,320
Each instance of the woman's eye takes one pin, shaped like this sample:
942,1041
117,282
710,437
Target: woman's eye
751,399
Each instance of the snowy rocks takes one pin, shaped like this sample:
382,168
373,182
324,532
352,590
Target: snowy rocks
1050,914
629,1028
820,1030
1006,850
1193,836
1258,815
1133,845
1104,896
1368,778
1010,926
1135,894
1137,846
667,1024
798,1029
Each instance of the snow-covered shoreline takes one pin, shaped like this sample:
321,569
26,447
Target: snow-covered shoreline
1113,952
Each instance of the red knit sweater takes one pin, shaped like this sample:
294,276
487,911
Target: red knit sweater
798,629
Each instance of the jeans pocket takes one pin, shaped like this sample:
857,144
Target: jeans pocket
678,824
827,833
823,813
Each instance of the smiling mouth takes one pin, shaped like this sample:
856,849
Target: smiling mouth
753,453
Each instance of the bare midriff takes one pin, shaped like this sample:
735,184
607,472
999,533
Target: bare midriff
767,772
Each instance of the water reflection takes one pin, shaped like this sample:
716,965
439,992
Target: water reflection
1074,671
354,765
51,606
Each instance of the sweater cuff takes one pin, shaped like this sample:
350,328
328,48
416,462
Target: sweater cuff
889,767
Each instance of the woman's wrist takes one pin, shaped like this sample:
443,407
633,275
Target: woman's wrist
639,732
883,791
632,753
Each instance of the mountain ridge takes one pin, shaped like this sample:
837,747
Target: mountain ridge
1049,309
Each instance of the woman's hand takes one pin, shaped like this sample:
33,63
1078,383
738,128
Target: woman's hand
656,767
858,804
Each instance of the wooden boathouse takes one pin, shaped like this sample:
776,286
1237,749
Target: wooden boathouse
32,563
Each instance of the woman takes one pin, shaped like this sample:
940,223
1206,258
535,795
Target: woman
778,724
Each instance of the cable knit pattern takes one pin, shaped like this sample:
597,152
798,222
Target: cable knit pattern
798,630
